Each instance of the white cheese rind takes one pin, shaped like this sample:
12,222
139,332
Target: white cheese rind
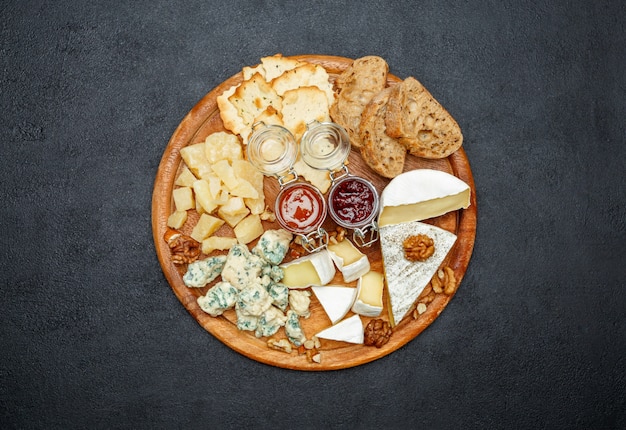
349,330
323,265
335,300
374,280
406,279
351,272
421,194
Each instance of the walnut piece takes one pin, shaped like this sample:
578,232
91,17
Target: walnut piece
443,282
377,333
184,249
279,345
419,247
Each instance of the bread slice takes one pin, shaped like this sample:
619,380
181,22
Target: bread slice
301,106
383,154
355,87
420,123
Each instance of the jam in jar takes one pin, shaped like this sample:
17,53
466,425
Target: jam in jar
300,208
353,202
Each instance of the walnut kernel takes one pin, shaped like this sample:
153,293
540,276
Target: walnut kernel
184,249
419,247
377,333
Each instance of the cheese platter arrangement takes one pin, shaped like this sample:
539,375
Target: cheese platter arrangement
315,212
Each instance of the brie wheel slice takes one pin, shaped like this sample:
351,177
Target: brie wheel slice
421,194
335,300
349,330
351,262
406,279
369,300
312,269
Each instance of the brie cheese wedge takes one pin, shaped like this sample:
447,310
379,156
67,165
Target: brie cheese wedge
351,262
335,300
421,194
406,279
312,269
369,300
349,330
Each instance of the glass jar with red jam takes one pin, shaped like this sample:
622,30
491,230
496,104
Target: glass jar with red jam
299,207
352,200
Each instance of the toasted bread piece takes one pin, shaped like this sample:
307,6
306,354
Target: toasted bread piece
276,65
252,97
383,154
305,75
356,86
301,106
420,123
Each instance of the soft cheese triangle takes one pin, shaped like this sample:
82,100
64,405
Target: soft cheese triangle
406,279
335,300
312,269
420,194
348,330
351,262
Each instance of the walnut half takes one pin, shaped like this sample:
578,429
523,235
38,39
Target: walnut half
419,247
377,333
184,249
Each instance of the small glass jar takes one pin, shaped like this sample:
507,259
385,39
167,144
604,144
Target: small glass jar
299,207
353,201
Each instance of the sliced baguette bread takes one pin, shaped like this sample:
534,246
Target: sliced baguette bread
383,154
355,87
420,123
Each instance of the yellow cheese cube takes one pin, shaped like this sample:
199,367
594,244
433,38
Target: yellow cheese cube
249,229
186,178
206,226
222,146
183,198
203,194
177,219
221,243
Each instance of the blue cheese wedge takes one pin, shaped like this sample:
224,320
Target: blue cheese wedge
349,330
351,262
273,245
312,269
335,300
369,300
421,194
220,297
406,279
201,272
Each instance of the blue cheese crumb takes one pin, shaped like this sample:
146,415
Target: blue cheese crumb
201,272
273,245
293,329
270,321
220,297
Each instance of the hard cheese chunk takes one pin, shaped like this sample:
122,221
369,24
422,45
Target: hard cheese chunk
351,262
406,279
335,300
348,330
369,301
313,269
421,194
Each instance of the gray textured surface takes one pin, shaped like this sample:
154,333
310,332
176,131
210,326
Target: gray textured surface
93,337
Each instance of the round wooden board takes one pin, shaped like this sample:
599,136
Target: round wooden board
203,120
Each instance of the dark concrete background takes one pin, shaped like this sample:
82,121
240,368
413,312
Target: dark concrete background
93,337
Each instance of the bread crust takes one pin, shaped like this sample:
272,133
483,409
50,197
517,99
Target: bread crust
382,153
355,87
420,123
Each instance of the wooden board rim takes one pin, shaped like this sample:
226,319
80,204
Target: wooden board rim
334,359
